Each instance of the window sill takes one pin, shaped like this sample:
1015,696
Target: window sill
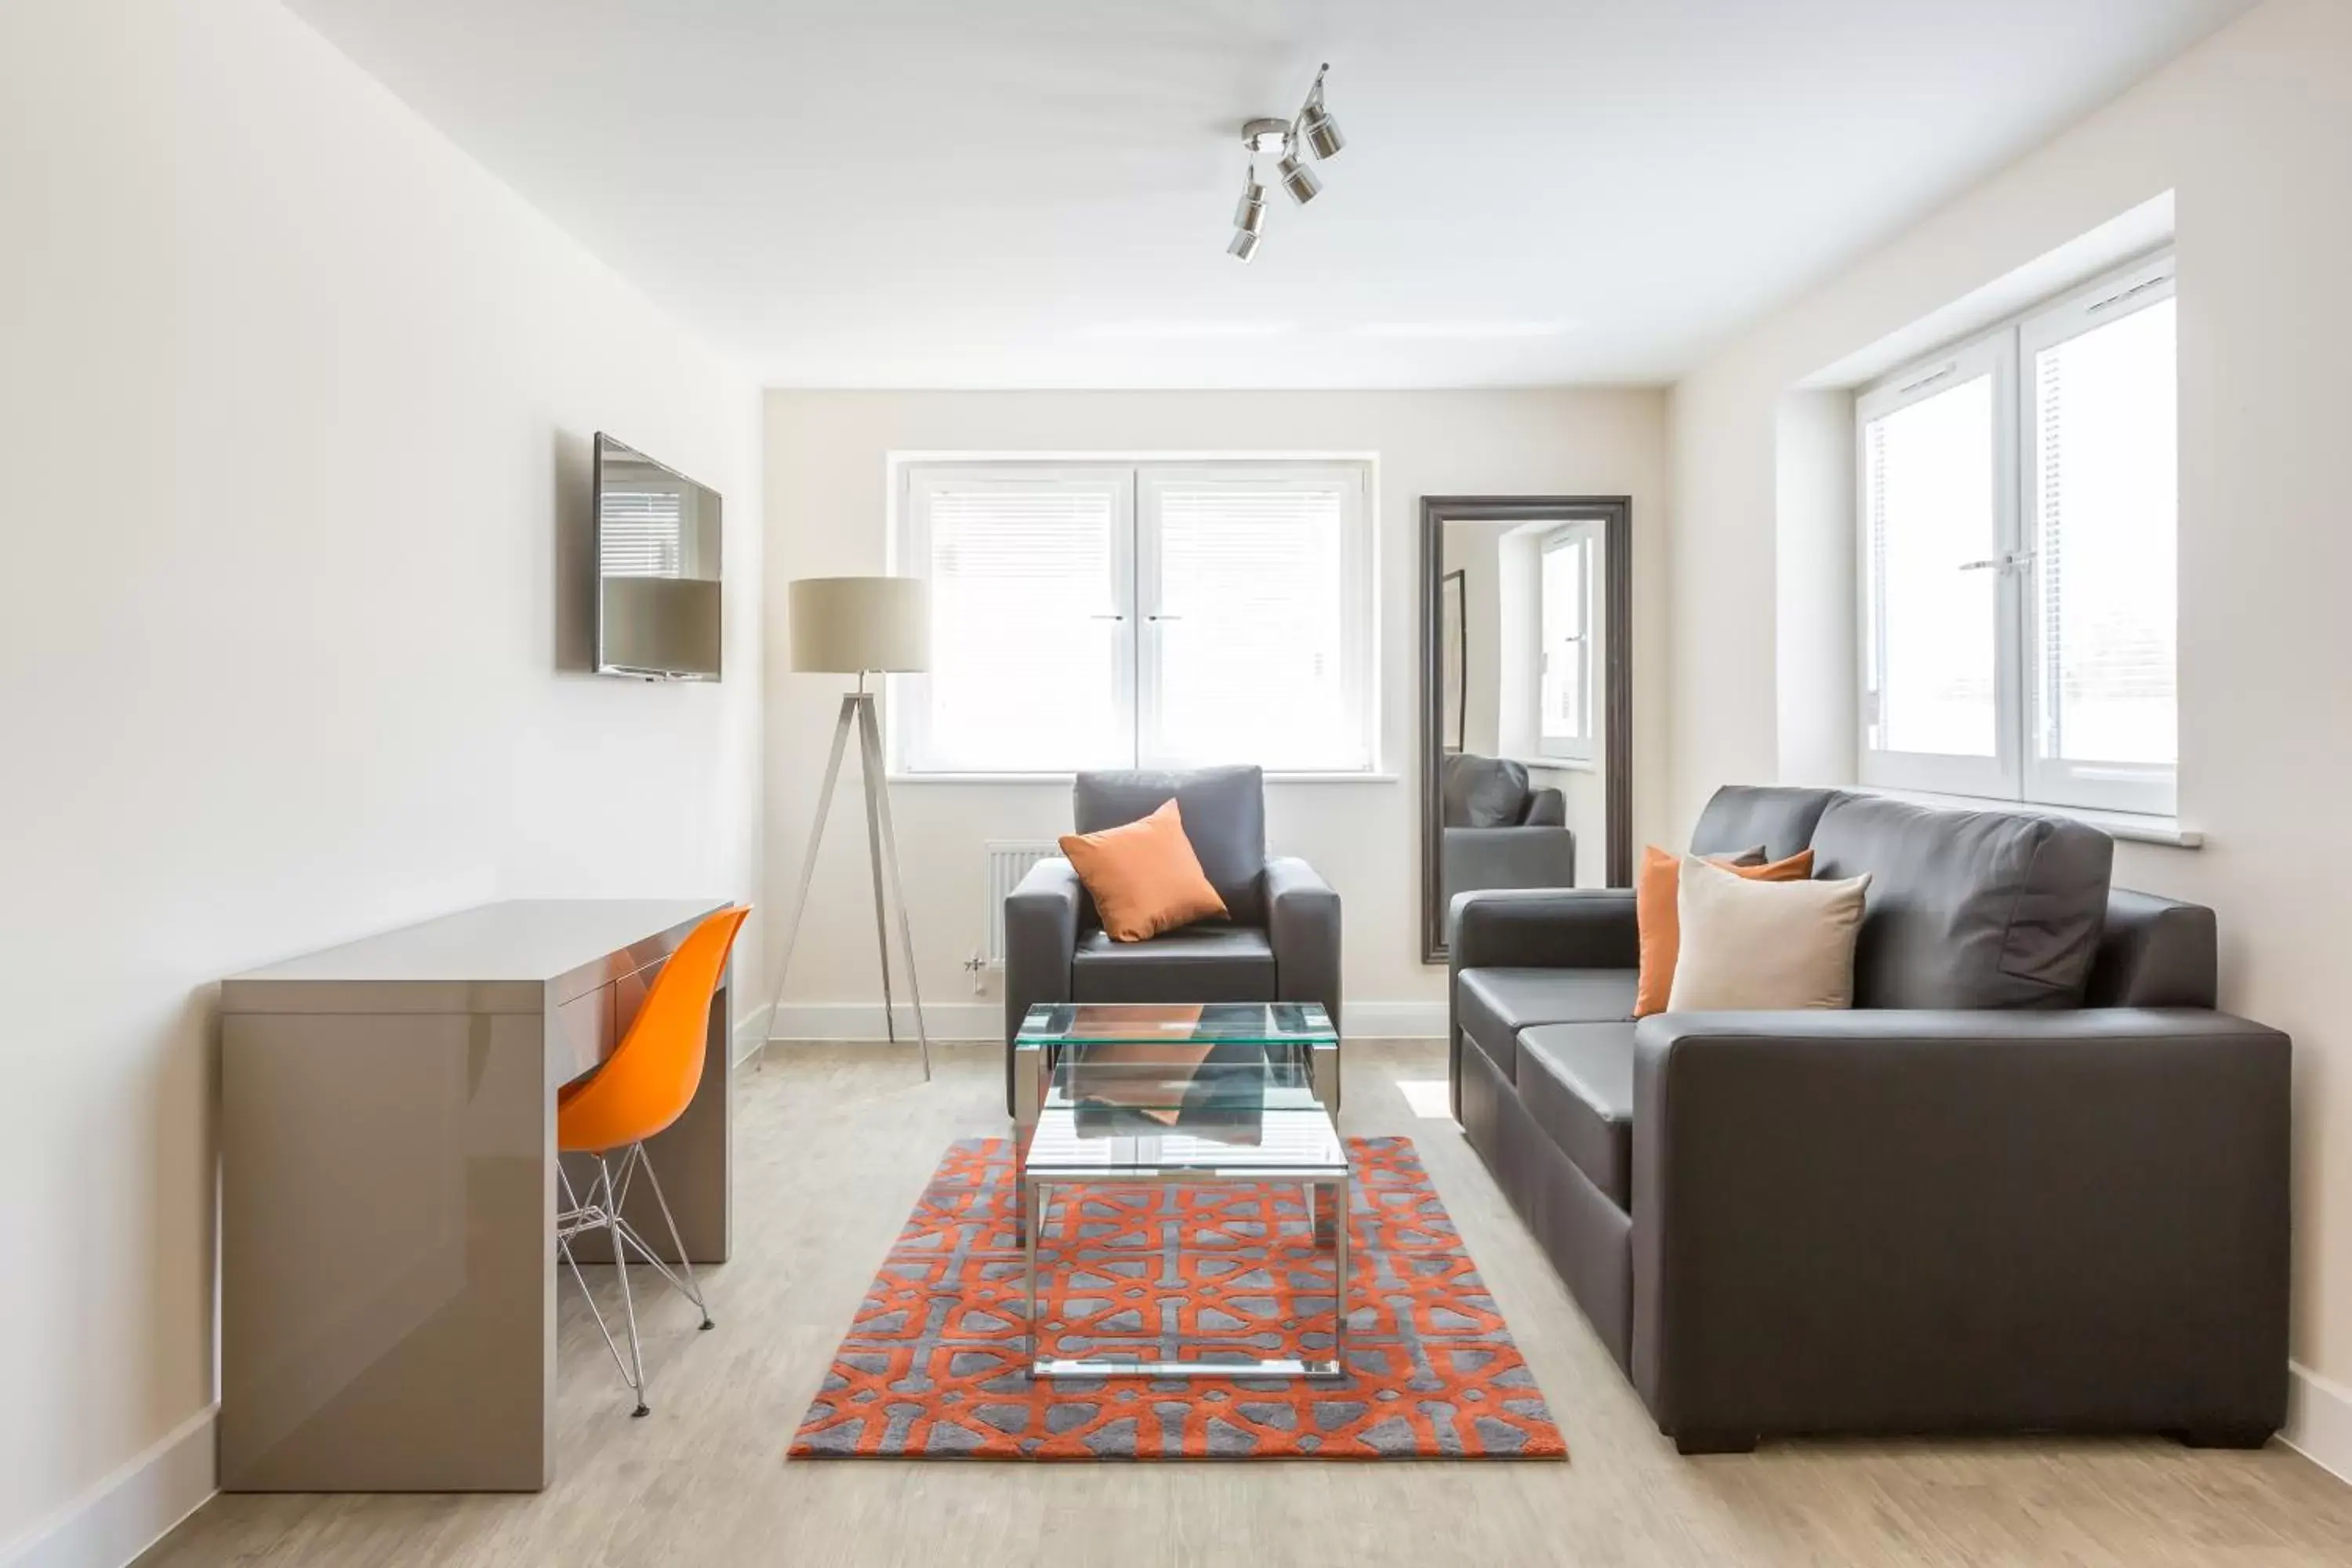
1063,779
2131,827
1557,764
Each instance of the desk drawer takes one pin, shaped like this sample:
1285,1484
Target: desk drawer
580,1035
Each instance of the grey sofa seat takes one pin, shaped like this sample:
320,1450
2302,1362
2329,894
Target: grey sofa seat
1497,1003
1279,943
2032,1182
1194,963
1577,1081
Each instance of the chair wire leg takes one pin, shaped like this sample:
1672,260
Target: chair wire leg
692,1286
573,1209
628,1301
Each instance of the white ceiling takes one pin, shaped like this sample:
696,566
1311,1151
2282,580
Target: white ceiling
1038,193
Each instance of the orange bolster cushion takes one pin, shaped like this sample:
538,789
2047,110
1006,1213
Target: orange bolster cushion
1143,875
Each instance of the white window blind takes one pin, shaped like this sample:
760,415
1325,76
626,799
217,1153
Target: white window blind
1150,615
640,533
2017,511
1029,575
1254,642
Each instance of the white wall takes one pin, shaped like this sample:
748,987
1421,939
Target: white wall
294,405
2252,131
827,509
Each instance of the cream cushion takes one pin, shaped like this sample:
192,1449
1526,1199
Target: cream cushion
1753,945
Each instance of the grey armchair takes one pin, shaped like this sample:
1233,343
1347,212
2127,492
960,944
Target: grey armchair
1497,831
1281,944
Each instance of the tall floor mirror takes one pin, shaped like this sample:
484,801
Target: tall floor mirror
1526,697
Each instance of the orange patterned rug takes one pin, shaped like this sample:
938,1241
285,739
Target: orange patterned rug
934,1366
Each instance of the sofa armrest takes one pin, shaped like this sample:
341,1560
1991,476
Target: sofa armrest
1898,1220
1041,937
1544,928
1546,807
1302,922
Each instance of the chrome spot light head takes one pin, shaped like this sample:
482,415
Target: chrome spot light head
1249,214
1299,179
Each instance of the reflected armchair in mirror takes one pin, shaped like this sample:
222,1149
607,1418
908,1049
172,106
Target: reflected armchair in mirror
1498,830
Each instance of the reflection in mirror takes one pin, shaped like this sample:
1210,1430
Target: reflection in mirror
1521,772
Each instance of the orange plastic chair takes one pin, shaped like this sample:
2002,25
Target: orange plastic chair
644,1086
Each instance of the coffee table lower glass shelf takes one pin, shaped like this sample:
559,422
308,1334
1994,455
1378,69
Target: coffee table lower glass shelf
1210,1113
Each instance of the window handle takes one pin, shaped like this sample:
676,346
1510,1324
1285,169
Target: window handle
1163,617
1107,618
2012,561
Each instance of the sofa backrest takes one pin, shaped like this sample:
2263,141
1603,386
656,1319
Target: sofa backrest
1741,817
1482,791
1967,909
2155,952
1224,817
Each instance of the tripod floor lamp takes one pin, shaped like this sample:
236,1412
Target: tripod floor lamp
861,627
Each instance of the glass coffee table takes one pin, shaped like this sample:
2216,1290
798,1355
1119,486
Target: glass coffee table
1213,1094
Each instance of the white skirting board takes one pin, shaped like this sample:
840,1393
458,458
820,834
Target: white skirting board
2319,1420
968,1020
131,1510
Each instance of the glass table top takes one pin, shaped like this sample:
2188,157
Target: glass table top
1167,1108
1152,1023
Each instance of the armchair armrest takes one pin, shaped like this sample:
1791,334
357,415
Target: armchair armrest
1041,936
1936,1221
1302,923
1546,807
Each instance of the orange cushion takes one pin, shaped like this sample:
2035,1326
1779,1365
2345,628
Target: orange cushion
1144,877
1655,892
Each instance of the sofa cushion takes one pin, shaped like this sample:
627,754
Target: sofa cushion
1497,1003
1143,875
1741,816
1577,1081
1967,909
1483,791
1194,964
1224,818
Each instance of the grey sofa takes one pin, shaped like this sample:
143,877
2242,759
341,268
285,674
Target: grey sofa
2032,1182
1495,831
1281,944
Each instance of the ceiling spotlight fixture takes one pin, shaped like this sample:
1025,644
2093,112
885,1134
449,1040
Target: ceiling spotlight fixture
1314,130
1321,131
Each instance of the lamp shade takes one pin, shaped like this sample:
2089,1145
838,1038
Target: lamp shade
851,624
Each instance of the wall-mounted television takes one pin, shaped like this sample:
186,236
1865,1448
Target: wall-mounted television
657,550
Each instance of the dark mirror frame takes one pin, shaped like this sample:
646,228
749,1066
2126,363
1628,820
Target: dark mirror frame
1615,514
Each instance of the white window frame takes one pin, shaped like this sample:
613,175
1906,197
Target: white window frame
1582,535
1133,597
2016,773
2052,780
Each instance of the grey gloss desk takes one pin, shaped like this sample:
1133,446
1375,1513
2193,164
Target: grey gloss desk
388,1189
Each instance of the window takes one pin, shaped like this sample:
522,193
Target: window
1162,614
1565,619
2018,509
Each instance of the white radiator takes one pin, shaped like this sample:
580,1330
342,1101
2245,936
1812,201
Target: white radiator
1008,862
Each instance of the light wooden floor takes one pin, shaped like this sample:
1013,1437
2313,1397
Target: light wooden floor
834,1142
